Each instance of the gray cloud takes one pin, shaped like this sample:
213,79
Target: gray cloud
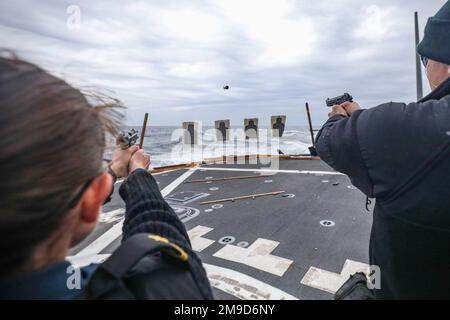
171,58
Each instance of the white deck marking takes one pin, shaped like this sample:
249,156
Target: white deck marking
330,281
275,171
102,242
115,231
87,260
257,255
111,216
168,171
242,286
154,174
198,243
232,282
172,186
331,173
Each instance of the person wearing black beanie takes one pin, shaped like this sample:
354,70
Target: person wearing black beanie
434,49
399,154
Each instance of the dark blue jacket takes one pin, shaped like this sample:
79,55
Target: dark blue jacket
400,154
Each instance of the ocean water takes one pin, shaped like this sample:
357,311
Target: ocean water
166,147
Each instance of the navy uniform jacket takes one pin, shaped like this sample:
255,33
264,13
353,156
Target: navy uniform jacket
400,154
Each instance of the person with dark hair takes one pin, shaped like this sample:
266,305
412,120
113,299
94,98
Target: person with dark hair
400,154
52,140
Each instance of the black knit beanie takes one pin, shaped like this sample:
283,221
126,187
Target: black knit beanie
435,44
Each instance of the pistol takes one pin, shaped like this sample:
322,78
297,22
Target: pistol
346,97
127,139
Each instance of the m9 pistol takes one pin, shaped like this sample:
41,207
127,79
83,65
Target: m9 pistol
127,139
346,97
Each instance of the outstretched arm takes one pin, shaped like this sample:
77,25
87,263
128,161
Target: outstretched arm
337,144
381,147
147,211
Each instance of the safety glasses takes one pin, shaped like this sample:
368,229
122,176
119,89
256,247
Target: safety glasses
81,190
424,61
76,198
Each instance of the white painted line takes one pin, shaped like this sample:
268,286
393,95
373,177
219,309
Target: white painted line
168,171
331,173
114,232
330,281
274,171
257,255
198,243
87,260
250,170
153,174
167,190
112,216
242,286
103,241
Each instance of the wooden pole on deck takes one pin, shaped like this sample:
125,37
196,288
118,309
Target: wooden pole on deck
312,149
251,196
144,126
310,123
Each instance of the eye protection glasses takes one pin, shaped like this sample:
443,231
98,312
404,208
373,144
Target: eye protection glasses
79,194
424,61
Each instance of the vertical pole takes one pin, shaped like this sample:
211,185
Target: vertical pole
310,123
312,150
418,63
224,157
144,126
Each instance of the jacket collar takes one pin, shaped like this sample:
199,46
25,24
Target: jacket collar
438,93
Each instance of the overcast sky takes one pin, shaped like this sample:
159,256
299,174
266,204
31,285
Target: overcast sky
171,58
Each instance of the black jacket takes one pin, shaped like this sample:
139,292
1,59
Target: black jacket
155,276
400,155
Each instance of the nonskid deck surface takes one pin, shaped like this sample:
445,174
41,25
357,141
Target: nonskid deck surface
274,164
301,244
